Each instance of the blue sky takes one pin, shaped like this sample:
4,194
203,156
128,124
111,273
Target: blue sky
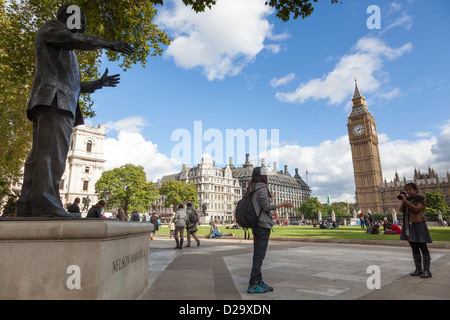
239,67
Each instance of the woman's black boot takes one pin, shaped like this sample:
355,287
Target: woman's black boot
426,267
418,263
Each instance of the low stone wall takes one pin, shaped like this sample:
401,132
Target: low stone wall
73,259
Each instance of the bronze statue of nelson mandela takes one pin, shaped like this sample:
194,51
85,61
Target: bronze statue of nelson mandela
53,107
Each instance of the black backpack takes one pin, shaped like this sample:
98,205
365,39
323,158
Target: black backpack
245,213
193,216
135,216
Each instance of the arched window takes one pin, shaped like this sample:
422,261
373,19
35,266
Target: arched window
89,146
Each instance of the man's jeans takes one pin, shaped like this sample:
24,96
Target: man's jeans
260,242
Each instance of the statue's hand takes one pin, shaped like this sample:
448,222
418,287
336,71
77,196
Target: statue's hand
109,81
121,47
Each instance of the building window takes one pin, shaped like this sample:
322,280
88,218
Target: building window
61,184
89,146
86,169
85,185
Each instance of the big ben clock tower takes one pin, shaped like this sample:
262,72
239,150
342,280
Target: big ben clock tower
362,131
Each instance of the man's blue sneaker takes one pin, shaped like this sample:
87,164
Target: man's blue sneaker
264,285
256,288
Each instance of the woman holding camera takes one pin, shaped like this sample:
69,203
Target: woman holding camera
415,229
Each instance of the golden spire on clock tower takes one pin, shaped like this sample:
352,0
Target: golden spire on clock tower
358,102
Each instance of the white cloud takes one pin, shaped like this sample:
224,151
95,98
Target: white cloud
330,168
275,82
422,134
222,40
441,149
130,124
365,61
131,147
403,156
396,16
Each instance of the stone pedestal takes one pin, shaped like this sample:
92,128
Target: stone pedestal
73,259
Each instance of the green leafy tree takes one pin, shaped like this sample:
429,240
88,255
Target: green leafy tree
130,21
340,210
435,202
178,192
127,188
310,208
284,8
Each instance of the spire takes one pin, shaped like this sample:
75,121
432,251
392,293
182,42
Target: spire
357,94
359,103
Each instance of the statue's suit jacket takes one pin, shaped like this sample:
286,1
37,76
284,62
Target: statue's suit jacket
57,73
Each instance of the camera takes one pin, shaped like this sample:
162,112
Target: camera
399,197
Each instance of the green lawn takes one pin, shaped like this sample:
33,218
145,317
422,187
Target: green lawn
351,232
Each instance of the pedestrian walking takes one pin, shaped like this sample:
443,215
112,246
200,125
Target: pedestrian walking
154,221
361,220
180,223
415,230
191,224
261,198
172,226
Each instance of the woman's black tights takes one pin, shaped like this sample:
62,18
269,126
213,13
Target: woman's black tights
418,247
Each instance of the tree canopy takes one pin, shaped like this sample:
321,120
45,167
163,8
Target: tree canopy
310,208
127,188
178,192
341,209
285,8
435,202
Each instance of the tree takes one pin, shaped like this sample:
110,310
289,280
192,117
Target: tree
127,188
340,209
179,192
435,202
130,21
310,208
284,8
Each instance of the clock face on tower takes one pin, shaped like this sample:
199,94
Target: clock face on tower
358,130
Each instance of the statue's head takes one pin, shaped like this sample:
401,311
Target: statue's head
70,15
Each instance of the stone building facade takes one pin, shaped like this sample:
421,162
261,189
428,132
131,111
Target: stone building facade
84,165
282,185
219,189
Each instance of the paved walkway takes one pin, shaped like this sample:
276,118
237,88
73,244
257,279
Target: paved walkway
219,270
